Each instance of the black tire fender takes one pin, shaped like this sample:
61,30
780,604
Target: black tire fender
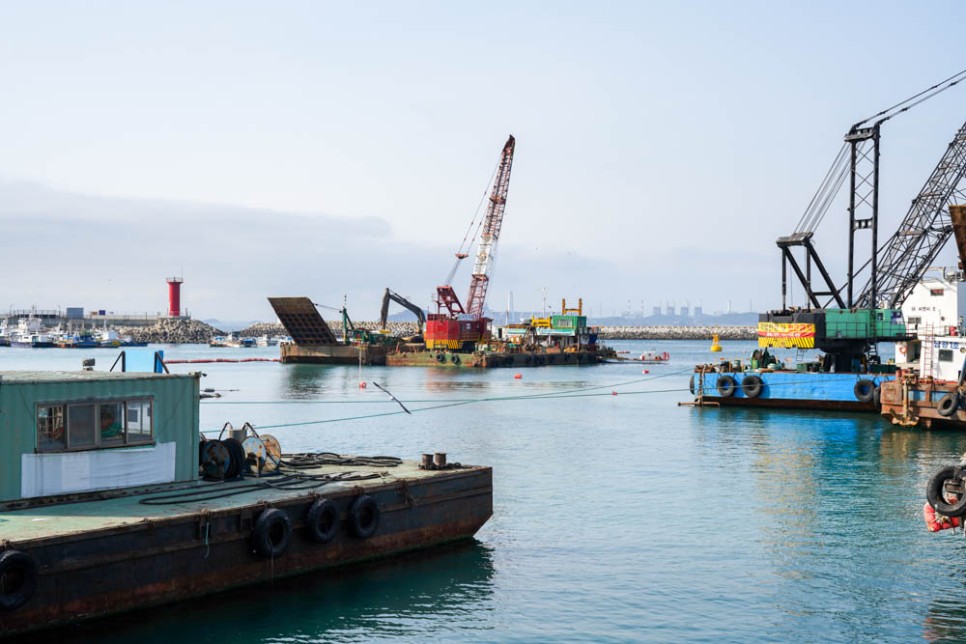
691,384
725,386
936,498
751,385
322,521
19,573
272,533
948,405
455,359
363,517
440,357
864,390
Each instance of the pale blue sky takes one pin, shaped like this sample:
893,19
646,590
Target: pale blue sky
335,149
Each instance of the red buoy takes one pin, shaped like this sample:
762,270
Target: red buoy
518,376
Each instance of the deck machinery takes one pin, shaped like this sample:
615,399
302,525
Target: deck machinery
840,321
454,327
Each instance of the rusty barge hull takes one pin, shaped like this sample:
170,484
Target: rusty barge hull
333,354
491,360
100,557
912,401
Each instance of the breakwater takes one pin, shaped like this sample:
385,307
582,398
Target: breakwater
678,332
175,331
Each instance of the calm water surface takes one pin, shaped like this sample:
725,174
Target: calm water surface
619,516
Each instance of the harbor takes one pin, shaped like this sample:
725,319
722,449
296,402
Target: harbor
336,323
786,519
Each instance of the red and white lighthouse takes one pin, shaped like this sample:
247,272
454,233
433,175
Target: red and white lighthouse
174,296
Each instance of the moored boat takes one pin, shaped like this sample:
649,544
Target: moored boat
108,502
845,376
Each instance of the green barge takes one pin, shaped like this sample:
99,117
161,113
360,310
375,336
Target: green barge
111,501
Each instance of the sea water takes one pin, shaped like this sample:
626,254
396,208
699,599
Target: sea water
618,514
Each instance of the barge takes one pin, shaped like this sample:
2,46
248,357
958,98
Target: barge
848,376
109,502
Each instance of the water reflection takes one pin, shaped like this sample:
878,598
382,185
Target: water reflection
841,526
415,596
946,619
309,382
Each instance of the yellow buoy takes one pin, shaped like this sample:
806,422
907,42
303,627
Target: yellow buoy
715,346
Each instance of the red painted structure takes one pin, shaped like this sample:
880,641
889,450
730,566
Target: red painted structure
174,296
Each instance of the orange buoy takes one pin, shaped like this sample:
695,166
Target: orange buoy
935,523
518,376
362,385
645,371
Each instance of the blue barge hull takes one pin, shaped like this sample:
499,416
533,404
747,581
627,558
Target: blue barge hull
790,390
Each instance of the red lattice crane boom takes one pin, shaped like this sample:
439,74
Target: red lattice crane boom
491,231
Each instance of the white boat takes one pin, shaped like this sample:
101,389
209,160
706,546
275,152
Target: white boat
654,357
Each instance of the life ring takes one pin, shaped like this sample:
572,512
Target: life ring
363,517
864,390
751,385
902,349
948,404
935,493
272,532
19,574
322,521
455,359
725,386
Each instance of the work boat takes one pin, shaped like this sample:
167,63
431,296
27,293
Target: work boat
108,502
846,376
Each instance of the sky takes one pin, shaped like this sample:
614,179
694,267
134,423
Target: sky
334,149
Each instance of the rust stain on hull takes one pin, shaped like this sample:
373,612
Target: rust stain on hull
155,562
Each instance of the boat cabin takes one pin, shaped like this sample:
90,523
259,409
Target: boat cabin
67,433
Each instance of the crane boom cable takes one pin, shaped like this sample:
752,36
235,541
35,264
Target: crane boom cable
829,188
938,88
462,252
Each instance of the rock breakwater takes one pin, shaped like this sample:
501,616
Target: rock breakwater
678,332
196,332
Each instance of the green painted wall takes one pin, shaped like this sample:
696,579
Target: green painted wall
175,410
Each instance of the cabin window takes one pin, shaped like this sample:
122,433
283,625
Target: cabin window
945,355
94,425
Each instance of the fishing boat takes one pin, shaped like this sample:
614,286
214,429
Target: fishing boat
109,503
653,357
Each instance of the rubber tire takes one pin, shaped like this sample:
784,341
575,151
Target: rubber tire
363,517
934,494
691,385
864,390
726,386
266,525
322,521
948,405
15,560
440,357
751,385
455,359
